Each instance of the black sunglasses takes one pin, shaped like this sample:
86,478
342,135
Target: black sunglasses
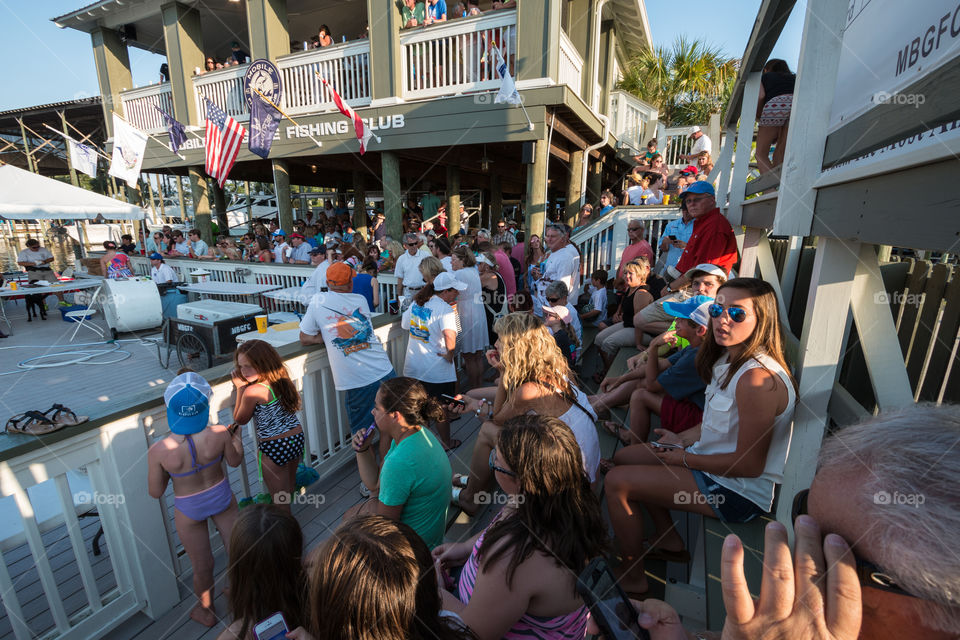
870,574
736,314
553,300
493,465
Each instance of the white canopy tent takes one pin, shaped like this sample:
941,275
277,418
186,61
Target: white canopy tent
28,196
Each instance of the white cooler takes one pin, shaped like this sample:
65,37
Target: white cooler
210,311
131,305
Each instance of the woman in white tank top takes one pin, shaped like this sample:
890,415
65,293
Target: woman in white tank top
726,467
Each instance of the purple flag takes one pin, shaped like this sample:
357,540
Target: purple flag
264,120
178,135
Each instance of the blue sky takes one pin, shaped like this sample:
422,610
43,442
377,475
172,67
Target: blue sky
57,64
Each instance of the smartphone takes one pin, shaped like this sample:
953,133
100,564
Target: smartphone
452,400
609,605
666,445
273,628
369,431
672,238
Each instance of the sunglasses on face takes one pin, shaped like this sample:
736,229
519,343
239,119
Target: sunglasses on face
493,465
870,574
553,300
737,314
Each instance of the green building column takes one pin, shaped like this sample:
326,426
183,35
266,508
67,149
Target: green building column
496,200
184,46
268,28
538,42
281,183
535,199
392,207
201,203
113,72
453,199
360,220
574,186
220,204
384,38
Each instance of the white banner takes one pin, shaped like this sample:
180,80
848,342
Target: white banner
887,46
83,158
128,146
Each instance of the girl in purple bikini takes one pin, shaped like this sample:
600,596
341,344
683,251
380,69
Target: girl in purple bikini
192,455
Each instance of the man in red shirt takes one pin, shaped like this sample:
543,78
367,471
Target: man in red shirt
712,240
637,247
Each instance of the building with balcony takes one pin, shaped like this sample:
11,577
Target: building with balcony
426,92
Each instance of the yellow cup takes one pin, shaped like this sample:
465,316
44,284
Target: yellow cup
13,286
261,324
666,198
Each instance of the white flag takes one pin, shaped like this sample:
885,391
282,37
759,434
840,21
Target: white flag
508,91
128,147
83,158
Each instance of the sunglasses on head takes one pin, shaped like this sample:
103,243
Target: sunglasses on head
870,574
737,314
493,465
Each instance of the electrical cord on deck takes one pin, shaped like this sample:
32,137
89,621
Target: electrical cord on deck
84,356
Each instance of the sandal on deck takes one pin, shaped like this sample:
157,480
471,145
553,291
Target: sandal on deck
64,416
32,423
460,480
616,430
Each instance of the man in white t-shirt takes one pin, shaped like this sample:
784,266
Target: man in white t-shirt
562,264
160,271
407,269
700,143
317,282
280,247
37,261
340,320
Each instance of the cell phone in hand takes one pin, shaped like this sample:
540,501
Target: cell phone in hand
667,445
609,605
451,400
273,628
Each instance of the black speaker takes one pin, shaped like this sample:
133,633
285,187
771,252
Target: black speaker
528,151
128,32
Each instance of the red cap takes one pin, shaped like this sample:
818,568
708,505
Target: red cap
296,235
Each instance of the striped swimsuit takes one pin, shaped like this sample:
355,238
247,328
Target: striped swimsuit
568,626
272,420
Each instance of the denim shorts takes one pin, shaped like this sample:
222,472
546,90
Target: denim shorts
728,505
360,403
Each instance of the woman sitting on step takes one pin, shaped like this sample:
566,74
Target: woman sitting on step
727,466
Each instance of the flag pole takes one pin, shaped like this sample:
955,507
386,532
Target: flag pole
327,82
281,111
526,115
150,135
91,145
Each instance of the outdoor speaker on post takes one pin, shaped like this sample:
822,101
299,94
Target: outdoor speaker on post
526,155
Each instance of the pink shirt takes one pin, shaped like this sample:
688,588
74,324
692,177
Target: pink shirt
634,251
507,273
517,253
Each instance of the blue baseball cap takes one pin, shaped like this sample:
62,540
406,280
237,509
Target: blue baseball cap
693,309
700,186
280,232
188,403
156,256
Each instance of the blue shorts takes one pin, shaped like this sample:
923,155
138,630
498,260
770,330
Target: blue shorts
360,403
728,505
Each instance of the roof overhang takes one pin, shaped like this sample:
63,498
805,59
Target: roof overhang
633,27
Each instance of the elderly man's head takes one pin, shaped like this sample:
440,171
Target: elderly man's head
555,236
556,293
888,486
411,242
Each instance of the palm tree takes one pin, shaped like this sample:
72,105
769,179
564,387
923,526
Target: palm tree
686,82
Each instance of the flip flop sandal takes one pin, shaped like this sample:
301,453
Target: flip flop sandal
64,416
460,480
32,423
454,443
615,430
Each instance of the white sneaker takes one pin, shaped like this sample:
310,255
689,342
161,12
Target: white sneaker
364,492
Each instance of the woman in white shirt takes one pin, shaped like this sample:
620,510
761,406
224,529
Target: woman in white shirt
472,319
728,466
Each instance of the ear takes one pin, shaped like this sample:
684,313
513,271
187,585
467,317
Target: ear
701,330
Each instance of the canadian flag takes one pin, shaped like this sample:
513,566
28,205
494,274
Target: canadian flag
363,134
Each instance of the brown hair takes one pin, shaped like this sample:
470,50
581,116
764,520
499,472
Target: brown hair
266,567
410,399
267,363
431,267
465,256
767,336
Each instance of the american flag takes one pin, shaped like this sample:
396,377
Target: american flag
223,140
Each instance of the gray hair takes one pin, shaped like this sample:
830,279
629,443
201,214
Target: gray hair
483,232
909,453
556,288
410,237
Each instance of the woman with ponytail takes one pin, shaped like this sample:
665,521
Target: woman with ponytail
412,485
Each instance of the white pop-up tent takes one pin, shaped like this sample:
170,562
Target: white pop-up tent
28,196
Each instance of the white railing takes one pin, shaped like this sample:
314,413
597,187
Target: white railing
630,119
451,57
139,106
677,142
145,557
345,66
571,64
602,242
223,88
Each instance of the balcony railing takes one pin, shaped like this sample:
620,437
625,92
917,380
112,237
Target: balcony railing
223,88
571,64
345,66
629,118
139,106
453,57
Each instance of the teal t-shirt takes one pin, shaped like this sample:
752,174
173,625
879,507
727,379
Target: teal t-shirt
416,474
431,204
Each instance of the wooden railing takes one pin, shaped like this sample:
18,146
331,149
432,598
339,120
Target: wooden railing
223,88
139,106
452,57
345,66
571,65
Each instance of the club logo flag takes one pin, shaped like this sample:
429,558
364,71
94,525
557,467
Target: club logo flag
363,134
83,158
264,120
178,134
128,146
508,91
223,139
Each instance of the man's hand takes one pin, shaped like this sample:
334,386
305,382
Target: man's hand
656,616
814,596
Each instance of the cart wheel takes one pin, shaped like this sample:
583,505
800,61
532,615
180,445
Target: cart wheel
114,334
190,350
